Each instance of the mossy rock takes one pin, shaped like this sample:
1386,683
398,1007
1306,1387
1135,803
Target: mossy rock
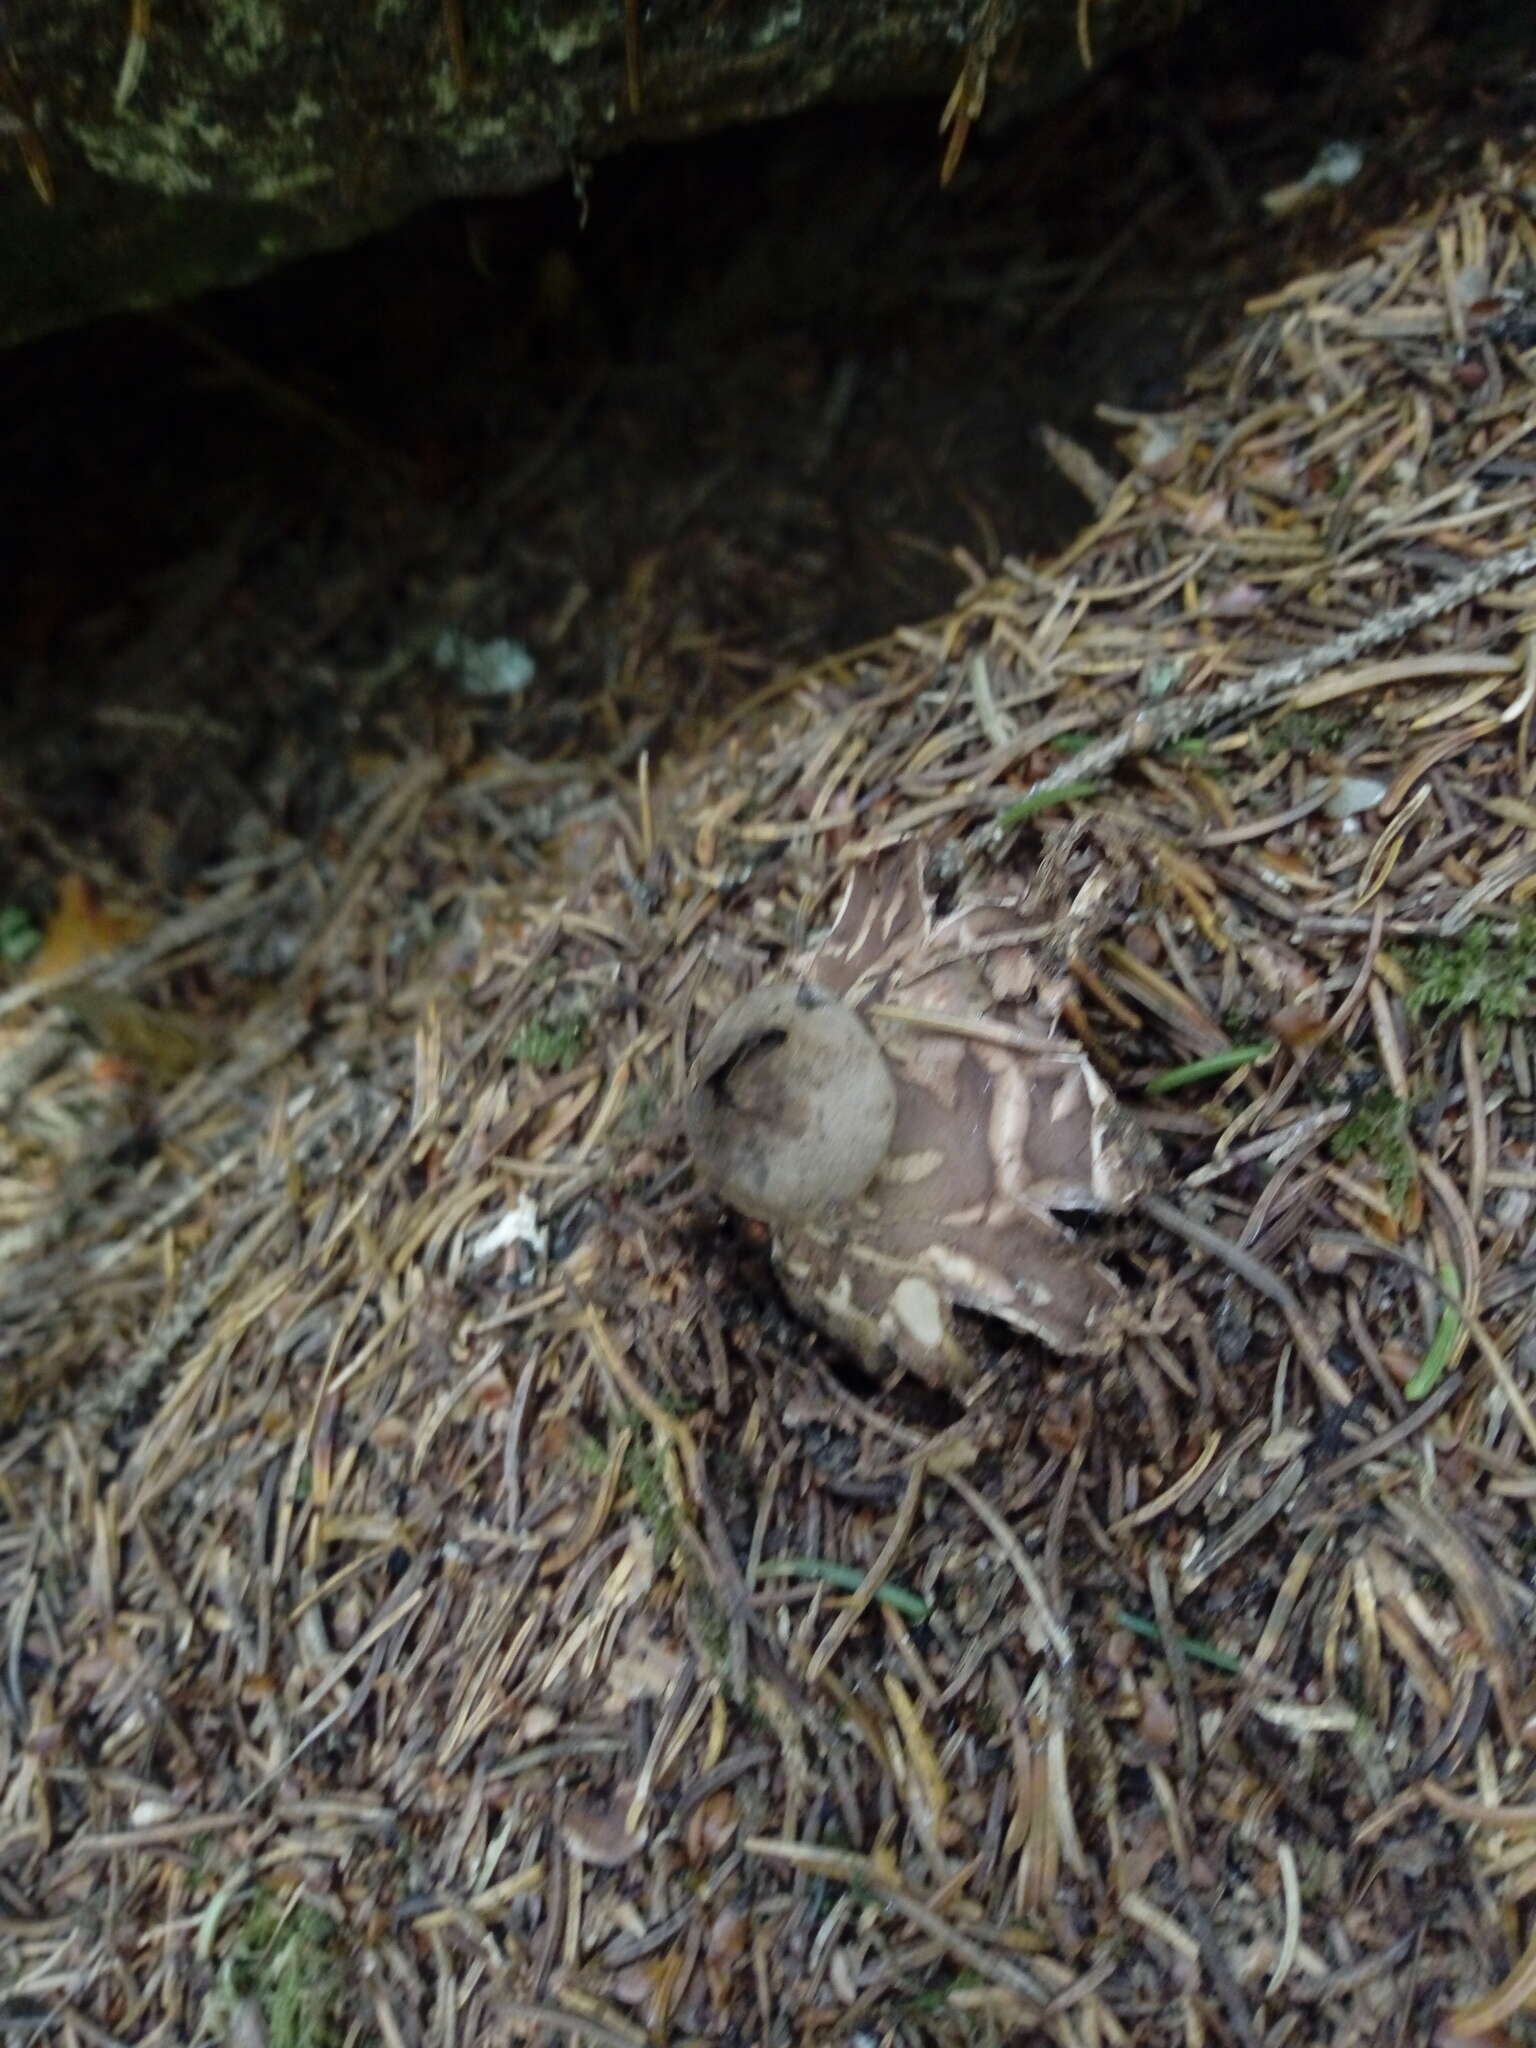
232,136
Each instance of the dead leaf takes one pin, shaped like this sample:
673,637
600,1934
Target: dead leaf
82,931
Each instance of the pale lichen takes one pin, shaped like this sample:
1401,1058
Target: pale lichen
283,181
561,44
244,34
166,155
779,25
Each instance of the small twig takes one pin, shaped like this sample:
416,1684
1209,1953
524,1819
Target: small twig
1399,1433
581,2026
632,54
879,1571
1475,1328
667,1428
865,1872
1178,1668
134,52
1156,725
1013,1550
458,48
394,819
1259,1277
1223,1979
287,398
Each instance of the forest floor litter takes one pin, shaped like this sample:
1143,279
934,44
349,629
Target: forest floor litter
449,1597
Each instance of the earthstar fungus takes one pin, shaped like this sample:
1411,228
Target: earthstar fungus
795,1104
905,1115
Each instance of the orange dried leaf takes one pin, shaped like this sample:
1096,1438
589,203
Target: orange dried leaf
81,930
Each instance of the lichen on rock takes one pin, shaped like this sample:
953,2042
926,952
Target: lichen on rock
320,135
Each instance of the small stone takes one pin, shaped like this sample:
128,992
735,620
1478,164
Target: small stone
594,1832
1355,793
